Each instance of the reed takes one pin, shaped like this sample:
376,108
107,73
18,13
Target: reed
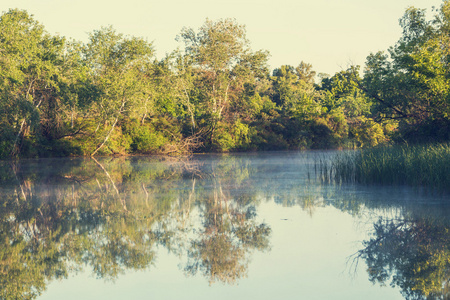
422,165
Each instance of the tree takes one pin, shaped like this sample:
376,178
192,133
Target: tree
118,67
31,70
222,63
344,97
410,82
300,105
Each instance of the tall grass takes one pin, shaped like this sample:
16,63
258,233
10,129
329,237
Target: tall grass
423,166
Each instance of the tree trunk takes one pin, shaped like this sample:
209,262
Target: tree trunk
107,137
111,130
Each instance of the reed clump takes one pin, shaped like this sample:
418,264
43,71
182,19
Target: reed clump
420,165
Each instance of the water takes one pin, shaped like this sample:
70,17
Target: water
241,226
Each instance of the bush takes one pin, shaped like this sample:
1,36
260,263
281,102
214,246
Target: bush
367,133
232,137
144,139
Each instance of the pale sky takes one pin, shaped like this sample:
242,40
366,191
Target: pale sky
329,34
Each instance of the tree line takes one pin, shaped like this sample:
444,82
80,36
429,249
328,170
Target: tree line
60,97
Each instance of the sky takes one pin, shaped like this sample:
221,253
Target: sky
329,34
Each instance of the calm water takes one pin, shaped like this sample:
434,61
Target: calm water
243,226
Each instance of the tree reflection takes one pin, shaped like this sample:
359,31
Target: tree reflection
411,253
49,228
109,214
229,233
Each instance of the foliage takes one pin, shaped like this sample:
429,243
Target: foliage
30,75
410,83
111,96
144,138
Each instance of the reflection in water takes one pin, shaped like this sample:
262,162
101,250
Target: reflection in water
111,214
413,254
228,233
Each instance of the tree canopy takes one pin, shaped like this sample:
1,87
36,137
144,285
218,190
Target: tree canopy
112,96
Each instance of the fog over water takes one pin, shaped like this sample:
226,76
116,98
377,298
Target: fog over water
259,226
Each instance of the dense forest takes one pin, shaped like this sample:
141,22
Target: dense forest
60,97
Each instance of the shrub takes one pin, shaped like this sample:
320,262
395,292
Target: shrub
144,139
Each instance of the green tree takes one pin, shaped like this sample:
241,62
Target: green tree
118,67
30,77
222,63
410,82
344,98
300,106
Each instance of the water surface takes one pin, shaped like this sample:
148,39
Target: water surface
241,226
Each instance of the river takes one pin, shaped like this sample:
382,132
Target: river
215,226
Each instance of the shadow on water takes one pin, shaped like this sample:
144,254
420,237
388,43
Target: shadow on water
111,214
